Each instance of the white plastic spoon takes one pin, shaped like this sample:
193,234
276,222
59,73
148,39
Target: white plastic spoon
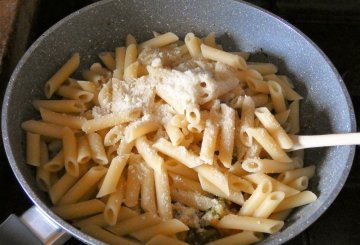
312,141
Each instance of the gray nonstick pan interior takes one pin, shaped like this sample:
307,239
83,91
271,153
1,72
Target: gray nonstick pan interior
238,26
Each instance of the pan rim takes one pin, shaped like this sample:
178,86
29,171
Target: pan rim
275,238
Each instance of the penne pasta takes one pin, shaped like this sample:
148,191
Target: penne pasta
102,234
65,120
70,152
79,210
169,227
61,75
159,41
134,224
108,121
33,149
83,185
113,175
97,148
43,129
62,106
232,221
179,153
230,59
114,202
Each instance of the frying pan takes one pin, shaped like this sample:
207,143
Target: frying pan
102,26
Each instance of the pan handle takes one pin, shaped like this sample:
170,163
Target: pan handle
33,227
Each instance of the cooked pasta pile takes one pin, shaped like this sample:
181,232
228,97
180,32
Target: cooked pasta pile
170,141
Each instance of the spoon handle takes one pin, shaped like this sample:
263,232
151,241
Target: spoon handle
312,141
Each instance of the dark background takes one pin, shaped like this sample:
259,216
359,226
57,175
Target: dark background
333,25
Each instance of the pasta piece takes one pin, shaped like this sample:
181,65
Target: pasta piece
237,169
114,135
83,185
273,127
139,128
209,141
131,71
209,40
263,68
162,189
277,96
244,55
269,144
291,175
32,149
113,175
61,75
108,60
120,63
108,121
159,41
79,210
99,220
247,120
163,240
149,154
133,185
234,196
300,183
56,163
169,227
282,117
174,133
135,223
281,215
276,185
227,134
256,198
130,55
114,202
241,238
289,93
124,147
260,100
186,184
180,169
239,184
192,199
75,94
130,39
179,153
192,115
43,177
65,120
64,106
58,189
271,201
97,148
232,221
215,176
70,152
302,198
103,235
84,151
257,165
230,59
193,45
42,128
294,120
148,202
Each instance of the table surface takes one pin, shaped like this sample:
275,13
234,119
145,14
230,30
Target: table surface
335,29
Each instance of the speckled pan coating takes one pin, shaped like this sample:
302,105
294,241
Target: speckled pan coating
102,26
